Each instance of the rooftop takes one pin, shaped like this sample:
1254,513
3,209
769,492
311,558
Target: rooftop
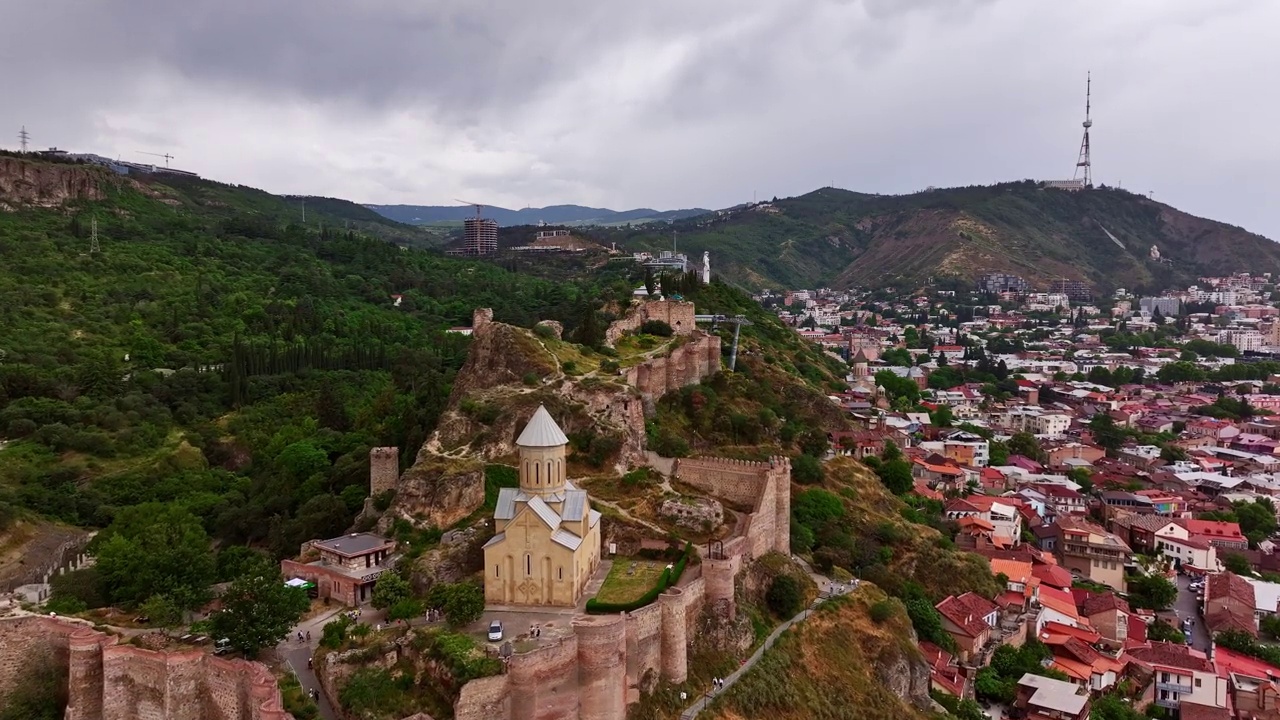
1054,694
353,544
542,431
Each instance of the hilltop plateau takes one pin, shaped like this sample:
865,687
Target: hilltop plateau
837,238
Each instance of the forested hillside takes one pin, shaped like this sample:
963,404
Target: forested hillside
837,238
216,355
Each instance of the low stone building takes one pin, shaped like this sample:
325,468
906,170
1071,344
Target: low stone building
347,566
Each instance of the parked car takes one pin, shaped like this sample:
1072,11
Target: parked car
222,646
495,631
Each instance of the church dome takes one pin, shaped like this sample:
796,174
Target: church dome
542,431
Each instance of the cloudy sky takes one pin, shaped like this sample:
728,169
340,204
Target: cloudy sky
662,103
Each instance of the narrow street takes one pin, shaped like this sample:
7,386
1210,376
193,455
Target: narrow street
296,654
1187,607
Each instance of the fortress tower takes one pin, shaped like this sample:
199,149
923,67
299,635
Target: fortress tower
384,469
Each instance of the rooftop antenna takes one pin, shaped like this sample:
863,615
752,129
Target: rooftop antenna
1084,166
24,137
167,157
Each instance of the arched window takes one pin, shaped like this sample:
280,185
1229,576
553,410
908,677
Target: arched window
528,564
537,473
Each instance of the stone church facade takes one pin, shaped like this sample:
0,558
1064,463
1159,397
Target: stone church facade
546,544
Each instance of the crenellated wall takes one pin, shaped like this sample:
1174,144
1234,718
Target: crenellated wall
106,681
676,313
765,487
686,365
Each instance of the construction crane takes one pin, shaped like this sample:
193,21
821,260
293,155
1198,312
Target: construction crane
477,206
167,157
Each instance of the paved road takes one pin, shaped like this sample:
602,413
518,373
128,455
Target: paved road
1188,607
701,703
296,654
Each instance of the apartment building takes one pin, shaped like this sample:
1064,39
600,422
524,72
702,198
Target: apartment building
1089,550
1182,675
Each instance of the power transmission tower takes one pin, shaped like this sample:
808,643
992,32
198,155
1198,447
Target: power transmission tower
24,137
93,237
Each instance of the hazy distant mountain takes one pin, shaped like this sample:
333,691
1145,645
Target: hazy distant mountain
553,214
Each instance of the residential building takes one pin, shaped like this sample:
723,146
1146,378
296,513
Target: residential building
1229,604
1226,535
1006,521
1086,548
968,618
1181,675
1056,606
1042,698
1022,587
945,674
1110,615
344,568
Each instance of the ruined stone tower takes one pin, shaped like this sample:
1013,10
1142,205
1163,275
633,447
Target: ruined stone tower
384,469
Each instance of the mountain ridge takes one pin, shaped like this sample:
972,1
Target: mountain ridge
551,214
838,238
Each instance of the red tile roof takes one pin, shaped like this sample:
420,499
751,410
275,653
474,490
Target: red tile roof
1172,655
1215,530
967,612
1103,603
1053,575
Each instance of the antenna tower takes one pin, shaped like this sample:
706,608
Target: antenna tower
24,137
1084,166
94,248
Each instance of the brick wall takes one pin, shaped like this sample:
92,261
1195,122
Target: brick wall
686,365
602,666
117,682
679,315
544,682
675,635
644,642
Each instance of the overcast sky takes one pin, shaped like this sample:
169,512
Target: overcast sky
661,103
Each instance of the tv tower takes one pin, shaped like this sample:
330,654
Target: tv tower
1085,165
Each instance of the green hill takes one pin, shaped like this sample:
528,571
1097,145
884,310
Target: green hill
217,354
837,238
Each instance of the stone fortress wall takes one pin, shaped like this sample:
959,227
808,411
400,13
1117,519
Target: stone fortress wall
106,681
676,313
686,365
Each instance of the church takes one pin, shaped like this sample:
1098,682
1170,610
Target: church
546,544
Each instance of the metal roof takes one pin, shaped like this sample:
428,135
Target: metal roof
575,504
594,518
506,508
544,512
542,431
495,540
566,538
353,544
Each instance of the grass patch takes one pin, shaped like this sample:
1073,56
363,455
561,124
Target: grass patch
624,585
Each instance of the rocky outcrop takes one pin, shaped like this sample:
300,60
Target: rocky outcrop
692,513
436,491
459,554
30,183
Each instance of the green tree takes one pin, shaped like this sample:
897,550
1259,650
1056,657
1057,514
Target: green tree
1162,631
785,597
898,387
999,454
1026,445
806,469
258,611
942,417
462,603
896,475
155,549
1114,707
162,611
1105,432
1237,563
1151,591
389,590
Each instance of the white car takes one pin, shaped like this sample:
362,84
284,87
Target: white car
495,631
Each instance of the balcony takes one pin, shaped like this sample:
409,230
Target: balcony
1174,687
1170,704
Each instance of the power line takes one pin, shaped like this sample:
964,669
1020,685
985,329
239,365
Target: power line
24,137
94,248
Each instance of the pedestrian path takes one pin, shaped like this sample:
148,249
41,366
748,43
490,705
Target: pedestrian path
701,704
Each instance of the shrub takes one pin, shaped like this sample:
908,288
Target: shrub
570,367
806,470
609,367
882,611
656,327
530,379
545,332
668,578
785,597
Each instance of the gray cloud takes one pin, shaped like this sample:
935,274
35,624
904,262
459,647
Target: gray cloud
665,103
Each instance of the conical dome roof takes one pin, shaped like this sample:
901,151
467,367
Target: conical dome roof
542,431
